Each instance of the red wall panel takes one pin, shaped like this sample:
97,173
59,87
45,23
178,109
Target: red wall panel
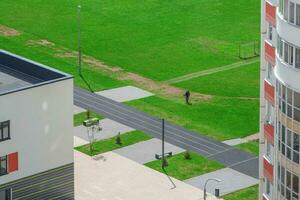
268,170
13,162
269,133
269,92
269,53
271,13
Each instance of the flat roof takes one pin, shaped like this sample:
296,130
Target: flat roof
18,73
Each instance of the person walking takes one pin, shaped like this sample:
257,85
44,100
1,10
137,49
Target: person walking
187,96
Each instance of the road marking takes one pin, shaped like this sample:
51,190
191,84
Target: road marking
211,71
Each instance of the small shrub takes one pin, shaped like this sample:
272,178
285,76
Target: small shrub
165,162
187,155
118,139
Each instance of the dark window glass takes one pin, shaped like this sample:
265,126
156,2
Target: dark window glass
296,157
298,14
289,111
296,142
3,165
5,194
297,99
289,153
288,194
292,12
4,131
296,114
295,183
283,134
282,148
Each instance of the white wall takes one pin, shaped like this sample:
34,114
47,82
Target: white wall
41,128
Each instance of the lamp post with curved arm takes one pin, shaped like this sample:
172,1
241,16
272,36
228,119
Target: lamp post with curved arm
210,179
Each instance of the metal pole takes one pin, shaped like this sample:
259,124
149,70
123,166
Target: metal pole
163,144
79,38
211,179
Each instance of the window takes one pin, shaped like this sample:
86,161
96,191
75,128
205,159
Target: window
279,49
269,150
297,57
268,188
298,15
4,131
286,9
3,165
295,186
291,55
286,53
5,194
296,148
270,32
269,71
281,6
292,13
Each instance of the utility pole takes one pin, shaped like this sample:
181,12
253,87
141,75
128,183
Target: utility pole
79,38
79,48
163,144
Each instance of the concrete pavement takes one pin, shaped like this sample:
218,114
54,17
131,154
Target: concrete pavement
232,181
109,127
186,139
113,177
144,152
123,94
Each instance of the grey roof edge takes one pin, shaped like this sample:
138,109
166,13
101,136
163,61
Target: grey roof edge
35,63
65,75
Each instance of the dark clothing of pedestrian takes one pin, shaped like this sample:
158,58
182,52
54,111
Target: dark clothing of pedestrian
187,95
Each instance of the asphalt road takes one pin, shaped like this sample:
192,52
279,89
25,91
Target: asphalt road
215,150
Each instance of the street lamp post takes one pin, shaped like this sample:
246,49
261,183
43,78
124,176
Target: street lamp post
211,179
79,38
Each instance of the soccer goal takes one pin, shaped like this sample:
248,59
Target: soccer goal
249,50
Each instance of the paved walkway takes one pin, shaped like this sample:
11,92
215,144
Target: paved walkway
77,110
186,139
211,71
123,94
144,152
234,142
109,127
113,177
231,181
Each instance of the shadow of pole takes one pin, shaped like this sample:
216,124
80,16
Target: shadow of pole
173,184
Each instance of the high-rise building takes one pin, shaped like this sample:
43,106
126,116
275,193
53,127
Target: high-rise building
280,105
36,142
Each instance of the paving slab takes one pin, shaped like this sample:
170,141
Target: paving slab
234,142
114,177
109,127
77,110
144,152
123,94
232,181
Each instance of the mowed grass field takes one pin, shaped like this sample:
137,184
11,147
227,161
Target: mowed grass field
157,39
160,40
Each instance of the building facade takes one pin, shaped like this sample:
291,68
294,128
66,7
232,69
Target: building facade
280,105
36,142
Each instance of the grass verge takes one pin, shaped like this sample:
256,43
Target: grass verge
219,118
182,169
80,117
250,147
110,144
250,193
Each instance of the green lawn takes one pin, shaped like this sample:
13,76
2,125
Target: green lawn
182,169
44,55
80,117
239,82
106,145
219,118
250,147
158,39
250,193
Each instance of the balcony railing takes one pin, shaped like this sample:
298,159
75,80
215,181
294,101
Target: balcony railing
269,92
271,13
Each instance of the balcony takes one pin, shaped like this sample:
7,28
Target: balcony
269,132
271,13
269,92
268,170
269,53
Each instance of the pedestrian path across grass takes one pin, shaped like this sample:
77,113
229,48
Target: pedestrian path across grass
211,71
